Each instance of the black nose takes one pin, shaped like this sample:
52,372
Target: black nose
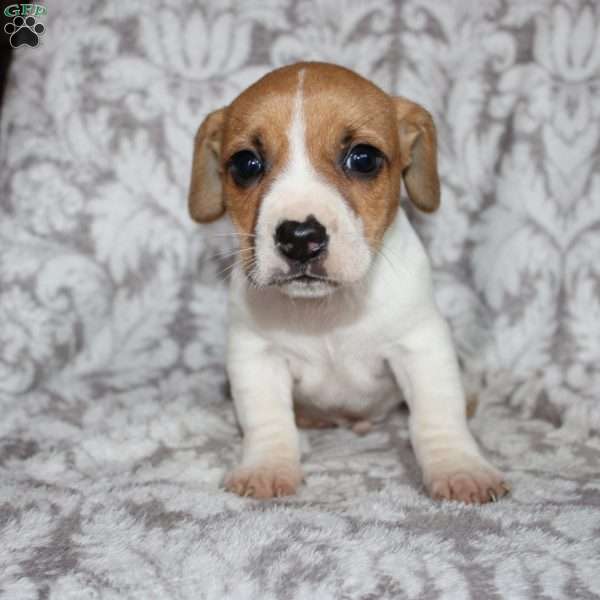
301,242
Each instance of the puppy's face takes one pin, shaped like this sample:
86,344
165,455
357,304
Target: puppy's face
308,163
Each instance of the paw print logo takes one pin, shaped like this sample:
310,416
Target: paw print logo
24,32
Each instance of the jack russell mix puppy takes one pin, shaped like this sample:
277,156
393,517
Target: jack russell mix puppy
331,303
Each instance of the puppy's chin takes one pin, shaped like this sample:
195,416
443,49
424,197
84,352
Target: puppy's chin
308,289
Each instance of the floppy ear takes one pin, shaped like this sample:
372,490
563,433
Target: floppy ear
205,201
418,146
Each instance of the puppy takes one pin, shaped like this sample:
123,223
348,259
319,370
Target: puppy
331,304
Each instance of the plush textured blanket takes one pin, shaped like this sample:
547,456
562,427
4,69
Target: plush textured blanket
115,427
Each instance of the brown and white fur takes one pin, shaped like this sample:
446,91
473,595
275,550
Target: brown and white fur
334,348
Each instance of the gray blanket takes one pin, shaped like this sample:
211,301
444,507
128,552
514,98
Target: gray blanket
116,429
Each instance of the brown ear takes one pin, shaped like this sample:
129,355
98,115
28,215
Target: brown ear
418,146
205,201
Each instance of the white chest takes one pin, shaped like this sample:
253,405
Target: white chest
338,377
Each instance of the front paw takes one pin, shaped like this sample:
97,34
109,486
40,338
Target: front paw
268,480
469,480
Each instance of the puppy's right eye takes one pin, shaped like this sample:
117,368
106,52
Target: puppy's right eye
245,167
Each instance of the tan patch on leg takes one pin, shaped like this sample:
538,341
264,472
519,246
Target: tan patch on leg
362,427
305,419
269,480
472,402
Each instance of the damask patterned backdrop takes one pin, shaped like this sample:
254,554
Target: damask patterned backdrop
115,429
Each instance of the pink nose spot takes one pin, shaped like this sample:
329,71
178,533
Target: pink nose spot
313,247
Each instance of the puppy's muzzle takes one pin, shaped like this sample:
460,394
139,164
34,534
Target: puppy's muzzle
301,242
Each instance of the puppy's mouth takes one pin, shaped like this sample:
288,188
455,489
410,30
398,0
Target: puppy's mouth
305,278
305,284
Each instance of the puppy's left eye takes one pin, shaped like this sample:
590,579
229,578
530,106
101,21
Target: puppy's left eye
363,160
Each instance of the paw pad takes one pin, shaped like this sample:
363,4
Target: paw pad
24,31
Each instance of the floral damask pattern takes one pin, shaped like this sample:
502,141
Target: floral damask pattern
115,429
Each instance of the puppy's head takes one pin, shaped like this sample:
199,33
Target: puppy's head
308,163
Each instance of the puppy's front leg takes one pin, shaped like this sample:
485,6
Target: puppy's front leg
452,465
261,386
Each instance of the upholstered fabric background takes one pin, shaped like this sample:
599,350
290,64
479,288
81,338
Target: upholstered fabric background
115,429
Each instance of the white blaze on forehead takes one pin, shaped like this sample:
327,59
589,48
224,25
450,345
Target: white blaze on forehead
298,161
299,187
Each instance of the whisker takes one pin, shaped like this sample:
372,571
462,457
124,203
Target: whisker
228,270
238,235
221,256
231,251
